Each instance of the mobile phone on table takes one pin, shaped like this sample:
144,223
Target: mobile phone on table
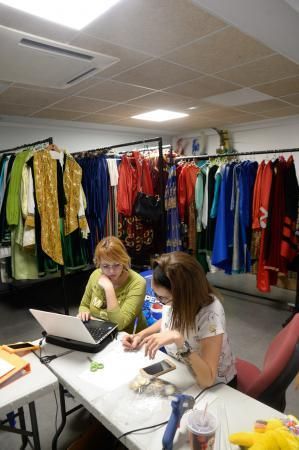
159,368
20,347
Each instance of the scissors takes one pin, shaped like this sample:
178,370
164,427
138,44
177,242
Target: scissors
94,365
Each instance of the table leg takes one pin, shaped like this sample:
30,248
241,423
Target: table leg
34,426
23,427
63,418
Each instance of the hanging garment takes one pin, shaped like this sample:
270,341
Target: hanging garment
134,176
186,202
53,202
263,282
136,233
95,182
173,242
273,261
111,226
23,260
13,205
218,179
223,242
4,228
46,189
289,241
3,174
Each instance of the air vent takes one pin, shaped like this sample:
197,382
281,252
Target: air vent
82,75
34,60
54,49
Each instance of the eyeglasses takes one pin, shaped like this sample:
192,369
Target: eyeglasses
114,267
162,299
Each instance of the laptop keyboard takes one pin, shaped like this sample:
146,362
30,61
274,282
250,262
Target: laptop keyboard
97,333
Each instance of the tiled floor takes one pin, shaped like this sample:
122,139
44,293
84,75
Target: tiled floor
251,326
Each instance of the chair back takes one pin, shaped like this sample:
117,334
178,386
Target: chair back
281,362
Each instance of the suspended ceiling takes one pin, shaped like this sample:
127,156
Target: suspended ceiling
172,54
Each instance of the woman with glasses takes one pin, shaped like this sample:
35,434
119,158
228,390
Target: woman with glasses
114,291
192,328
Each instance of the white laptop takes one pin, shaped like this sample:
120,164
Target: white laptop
71,332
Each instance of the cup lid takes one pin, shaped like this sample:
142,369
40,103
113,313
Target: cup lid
197,425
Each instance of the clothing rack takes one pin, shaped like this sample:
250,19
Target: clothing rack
295,307
20,147
236,154
159,140
49,141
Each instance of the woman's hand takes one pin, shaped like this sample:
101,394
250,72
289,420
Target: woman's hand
132,341
84,315
105,282
158,340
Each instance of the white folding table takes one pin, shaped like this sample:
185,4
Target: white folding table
22,391
107,396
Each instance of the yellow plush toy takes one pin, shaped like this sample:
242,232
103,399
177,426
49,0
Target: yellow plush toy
273,434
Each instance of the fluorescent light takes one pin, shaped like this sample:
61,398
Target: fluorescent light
70,13
160,115
238,97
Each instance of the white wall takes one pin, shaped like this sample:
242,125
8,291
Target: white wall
70,136
258,136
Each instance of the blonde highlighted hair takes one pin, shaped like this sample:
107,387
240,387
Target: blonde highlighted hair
112,249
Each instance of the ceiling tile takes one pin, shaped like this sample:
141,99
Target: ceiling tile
123,110
260,107
128,58
163,100
114,91
83,104
13,18
281,87
230,114
287,111
97,118
203,87
73,89
16,110
268,69
219,51
151,126
29,97
57,114
157,74
145,25
294,99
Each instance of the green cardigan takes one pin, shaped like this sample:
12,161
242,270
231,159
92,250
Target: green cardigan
130,298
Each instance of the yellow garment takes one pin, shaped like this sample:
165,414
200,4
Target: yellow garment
71,182
45,177
274,436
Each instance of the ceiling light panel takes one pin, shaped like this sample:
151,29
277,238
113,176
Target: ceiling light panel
160,115
71,14
238,97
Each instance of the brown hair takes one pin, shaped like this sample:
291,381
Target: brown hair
112,249
185,278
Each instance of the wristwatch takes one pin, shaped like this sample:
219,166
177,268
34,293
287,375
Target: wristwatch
184,351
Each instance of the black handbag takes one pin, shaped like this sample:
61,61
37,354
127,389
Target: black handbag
148,206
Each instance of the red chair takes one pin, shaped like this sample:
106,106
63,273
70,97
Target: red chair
281,364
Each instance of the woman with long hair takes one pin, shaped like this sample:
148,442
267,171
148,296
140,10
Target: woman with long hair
192,328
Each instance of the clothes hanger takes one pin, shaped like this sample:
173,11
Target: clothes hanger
53,148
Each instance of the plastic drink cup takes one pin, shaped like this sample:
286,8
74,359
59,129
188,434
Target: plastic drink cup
202,430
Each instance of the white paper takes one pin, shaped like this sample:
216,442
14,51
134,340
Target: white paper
120,367
5,367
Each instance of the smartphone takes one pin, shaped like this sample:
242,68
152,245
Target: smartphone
159,368
20,347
